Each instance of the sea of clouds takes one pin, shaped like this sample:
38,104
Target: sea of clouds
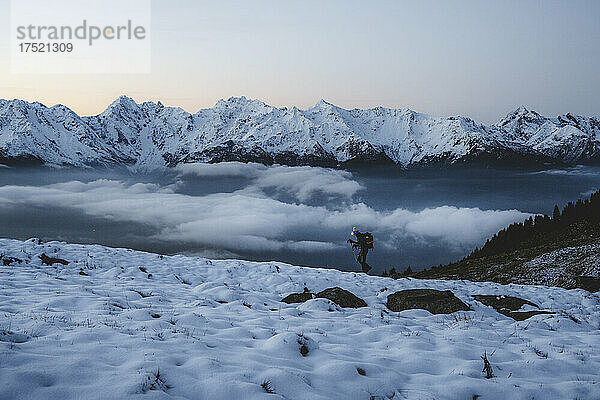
275,210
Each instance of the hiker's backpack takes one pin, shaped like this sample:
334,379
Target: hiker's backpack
368,239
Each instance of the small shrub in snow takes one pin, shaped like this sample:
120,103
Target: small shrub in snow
487,367
267,386
154,381
182,280
143,294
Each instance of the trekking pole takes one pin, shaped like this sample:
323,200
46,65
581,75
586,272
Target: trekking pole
355,254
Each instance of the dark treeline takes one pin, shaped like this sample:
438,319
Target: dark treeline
394,274
513,237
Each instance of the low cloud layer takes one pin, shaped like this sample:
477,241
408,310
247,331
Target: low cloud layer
578,170
249,220
301,182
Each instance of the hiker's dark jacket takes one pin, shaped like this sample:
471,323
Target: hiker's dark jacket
361,241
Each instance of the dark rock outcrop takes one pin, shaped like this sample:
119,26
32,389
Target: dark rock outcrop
523,315
297,298
51,260
508,305
6,261
342,298
434,301
503,302
589,283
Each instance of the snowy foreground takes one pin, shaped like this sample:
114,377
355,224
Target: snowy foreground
192,328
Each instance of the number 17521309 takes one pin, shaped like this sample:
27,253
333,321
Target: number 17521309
56,47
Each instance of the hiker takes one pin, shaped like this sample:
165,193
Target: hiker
364,241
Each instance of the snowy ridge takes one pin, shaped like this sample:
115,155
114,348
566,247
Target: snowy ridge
568,137
117,323
239,129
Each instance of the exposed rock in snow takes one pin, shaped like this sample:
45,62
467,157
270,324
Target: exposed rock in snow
297,297
151,135
342,297
510,306
434,301
500,303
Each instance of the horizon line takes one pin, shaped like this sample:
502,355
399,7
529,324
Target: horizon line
242,97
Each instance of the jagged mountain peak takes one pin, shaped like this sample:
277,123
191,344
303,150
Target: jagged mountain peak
521,114
61,107
124,100
242,103
122,105
323,103
238,100
22,104
233,100
521,110
325,106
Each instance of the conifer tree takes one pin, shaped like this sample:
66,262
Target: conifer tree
556,213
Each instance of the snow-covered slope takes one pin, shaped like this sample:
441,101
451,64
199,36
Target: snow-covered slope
238,129
560,267
121,324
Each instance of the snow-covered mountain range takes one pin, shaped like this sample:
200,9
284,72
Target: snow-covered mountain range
239,129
